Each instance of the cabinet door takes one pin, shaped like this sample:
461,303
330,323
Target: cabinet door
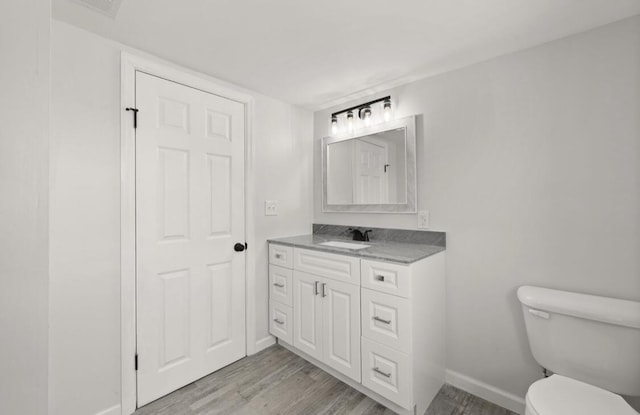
281,255
386,277
280,285
307,317
280,324
386,319
341,327
387,372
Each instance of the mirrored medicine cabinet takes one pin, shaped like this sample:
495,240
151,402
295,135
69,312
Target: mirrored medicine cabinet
371,170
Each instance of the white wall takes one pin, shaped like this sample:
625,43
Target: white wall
531,164
283,166
85,213
24,140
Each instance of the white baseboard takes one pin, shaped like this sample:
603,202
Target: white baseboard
485,391
264,343
114,410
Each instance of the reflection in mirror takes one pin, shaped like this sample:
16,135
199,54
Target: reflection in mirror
370,169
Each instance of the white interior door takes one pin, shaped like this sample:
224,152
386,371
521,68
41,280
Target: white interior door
189,214
371,177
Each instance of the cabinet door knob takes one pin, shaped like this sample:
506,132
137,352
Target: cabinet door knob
278,256
315,288
278,285
380,277
324,294
381,320
386,375
278,321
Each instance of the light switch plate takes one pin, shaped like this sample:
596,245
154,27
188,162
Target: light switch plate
423,219
271,208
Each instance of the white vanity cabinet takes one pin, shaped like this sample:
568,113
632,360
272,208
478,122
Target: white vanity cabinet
376,325
326,316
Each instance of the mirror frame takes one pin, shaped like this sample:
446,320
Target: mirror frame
409,125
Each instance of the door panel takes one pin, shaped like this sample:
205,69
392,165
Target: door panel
218,195
371,182
219,304
307,316
175,319
341,327
189,214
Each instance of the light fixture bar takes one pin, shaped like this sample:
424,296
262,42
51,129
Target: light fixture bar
366,104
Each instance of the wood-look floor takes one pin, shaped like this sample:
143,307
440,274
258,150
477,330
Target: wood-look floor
276,381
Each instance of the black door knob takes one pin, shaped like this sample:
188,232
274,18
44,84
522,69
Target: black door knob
238,247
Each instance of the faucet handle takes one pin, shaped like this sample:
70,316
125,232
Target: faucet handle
365,235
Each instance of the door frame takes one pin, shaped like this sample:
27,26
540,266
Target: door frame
130,64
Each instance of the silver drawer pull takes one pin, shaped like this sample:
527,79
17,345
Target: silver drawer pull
380,277
278,256
386,375
381,320
278,285
278,321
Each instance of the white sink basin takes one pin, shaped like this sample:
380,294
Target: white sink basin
346,245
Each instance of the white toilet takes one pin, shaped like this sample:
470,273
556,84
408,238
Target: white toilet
590,343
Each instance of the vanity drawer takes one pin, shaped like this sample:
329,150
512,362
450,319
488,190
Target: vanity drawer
281,255
387,372
281,321
280,288
386,319
386,277
335,266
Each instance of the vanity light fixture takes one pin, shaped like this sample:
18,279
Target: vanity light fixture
364,113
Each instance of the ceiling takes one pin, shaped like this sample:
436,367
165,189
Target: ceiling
318,53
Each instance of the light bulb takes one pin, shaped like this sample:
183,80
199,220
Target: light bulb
334,124
367,116
350,120
387,110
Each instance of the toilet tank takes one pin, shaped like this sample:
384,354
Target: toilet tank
589,338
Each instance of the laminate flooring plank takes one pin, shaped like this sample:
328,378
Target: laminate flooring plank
317,398
279,382
279,397
346,402
370,407
278,375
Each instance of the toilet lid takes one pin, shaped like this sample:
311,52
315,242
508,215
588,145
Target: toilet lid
559,395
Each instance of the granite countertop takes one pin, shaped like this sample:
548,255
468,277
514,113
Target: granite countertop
392,251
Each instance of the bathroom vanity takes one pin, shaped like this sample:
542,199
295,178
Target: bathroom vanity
370,313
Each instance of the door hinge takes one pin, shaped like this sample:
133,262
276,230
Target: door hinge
135,116
136,362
